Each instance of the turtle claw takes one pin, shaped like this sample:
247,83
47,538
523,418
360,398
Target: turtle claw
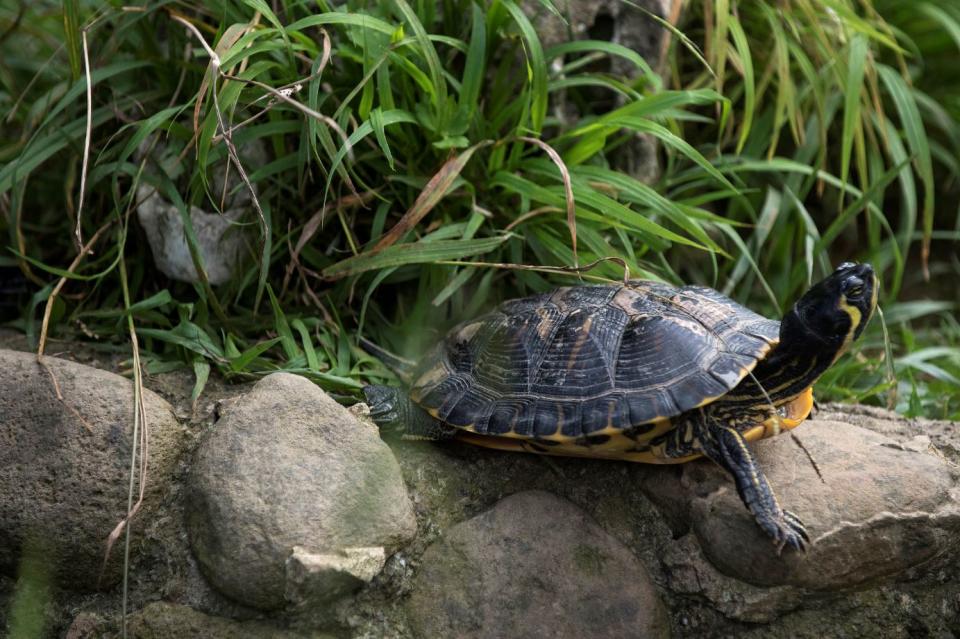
787,530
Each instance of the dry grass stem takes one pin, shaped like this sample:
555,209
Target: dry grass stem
567,190
86,141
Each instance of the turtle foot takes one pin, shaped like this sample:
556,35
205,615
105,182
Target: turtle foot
786,529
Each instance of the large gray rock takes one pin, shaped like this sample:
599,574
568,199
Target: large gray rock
220,238
162,620
882,507
533,566
689,574
63,488
283,489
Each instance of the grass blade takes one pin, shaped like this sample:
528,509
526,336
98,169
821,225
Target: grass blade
432,193
536,67
473,68
415,253
746,68
916,135
856,62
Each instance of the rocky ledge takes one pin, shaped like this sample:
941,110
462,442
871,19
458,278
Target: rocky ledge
283,514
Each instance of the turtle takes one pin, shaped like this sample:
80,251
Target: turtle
640,371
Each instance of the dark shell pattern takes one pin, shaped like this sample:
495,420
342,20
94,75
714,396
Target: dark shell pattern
591,359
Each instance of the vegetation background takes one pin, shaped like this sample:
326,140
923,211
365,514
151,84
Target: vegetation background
425,160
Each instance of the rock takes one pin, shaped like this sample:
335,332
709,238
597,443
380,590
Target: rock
943,436
880,509
86,625
533,566
219,238
689,573
312,578
287,468
161,620
62,487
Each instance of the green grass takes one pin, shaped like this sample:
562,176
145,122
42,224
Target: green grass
421,156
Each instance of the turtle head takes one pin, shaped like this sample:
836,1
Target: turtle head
836,310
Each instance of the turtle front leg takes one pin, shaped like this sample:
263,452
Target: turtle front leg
726,447
392,409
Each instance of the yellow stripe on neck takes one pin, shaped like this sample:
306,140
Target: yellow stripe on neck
855,317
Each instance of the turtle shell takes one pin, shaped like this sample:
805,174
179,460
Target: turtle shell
587,360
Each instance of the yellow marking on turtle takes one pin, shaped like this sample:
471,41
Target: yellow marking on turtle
624,298
745,452
427,381
467,332
855,317
582,337
775,390
794,412
744,371
621,447
603,451
545,327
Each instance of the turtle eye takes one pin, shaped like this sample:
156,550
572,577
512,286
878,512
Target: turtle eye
853,288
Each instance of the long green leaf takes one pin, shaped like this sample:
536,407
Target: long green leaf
916,135
415,253
388,118
856,61
432,193
360,20
473,68
608,48
536,66
749,90
429,54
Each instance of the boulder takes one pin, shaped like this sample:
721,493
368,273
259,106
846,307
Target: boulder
880,508
689,574
160,620
64,480
533,566
287,474
220,238
940,437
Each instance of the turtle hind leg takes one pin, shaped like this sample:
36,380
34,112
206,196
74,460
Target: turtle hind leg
392,409
726,447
